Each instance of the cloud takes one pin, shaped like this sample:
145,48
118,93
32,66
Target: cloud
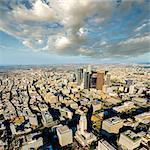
62,43
39,12
140,27
131,47
28,43
95,28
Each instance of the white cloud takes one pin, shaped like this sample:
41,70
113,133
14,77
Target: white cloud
33,27
39,12
135,40
86,52
140,27
62,43
28,43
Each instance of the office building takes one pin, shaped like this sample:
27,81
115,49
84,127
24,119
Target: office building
93,80
82,136
129,140
107,79
79,75
33,120
131,89
100,80
86,80
64,135
112,125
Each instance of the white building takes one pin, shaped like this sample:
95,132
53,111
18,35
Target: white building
112,125
131,89
129,140
33,120
82,136
33,144
64,135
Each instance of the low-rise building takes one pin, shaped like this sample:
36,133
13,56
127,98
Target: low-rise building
112,125
129,140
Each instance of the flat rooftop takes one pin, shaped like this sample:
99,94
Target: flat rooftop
113,120
63,129
131,135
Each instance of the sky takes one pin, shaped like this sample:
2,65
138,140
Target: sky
74,31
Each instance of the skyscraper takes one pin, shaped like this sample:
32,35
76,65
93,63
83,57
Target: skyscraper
107,80
100,80
79,75
83,124
86,80
93,80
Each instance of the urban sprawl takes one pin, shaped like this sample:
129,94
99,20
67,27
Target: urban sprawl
75,107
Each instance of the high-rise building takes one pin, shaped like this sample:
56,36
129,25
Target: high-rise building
86,80
64,135
107,79
79,75
93,80
82,136
89,69
100,80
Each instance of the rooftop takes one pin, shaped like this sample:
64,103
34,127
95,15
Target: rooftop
113,120
131,135
63,129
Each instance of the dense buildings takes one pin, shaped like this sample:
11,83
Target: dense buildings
75,107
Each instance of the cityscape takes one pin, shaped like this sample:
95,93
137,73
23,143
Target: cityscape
75,107
74,75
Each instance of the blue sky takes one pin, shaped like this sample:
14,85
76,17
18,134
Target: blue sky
74,31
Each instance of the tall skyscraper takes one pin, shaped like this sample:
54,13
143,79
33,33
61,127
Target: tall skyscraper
93,80
89,69
82,136
107,79
86,80
100,80
79,75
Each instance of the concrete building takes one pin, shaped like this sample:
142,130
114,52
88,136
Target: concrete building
139,101
112,125
93,80
47,118
82,136
33,144
97,105
129,140
51,98
107,79
64,135
131,89
104,145
86,80
79,75
33,120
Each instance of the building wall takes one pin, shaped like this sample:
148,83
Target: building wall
100,80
